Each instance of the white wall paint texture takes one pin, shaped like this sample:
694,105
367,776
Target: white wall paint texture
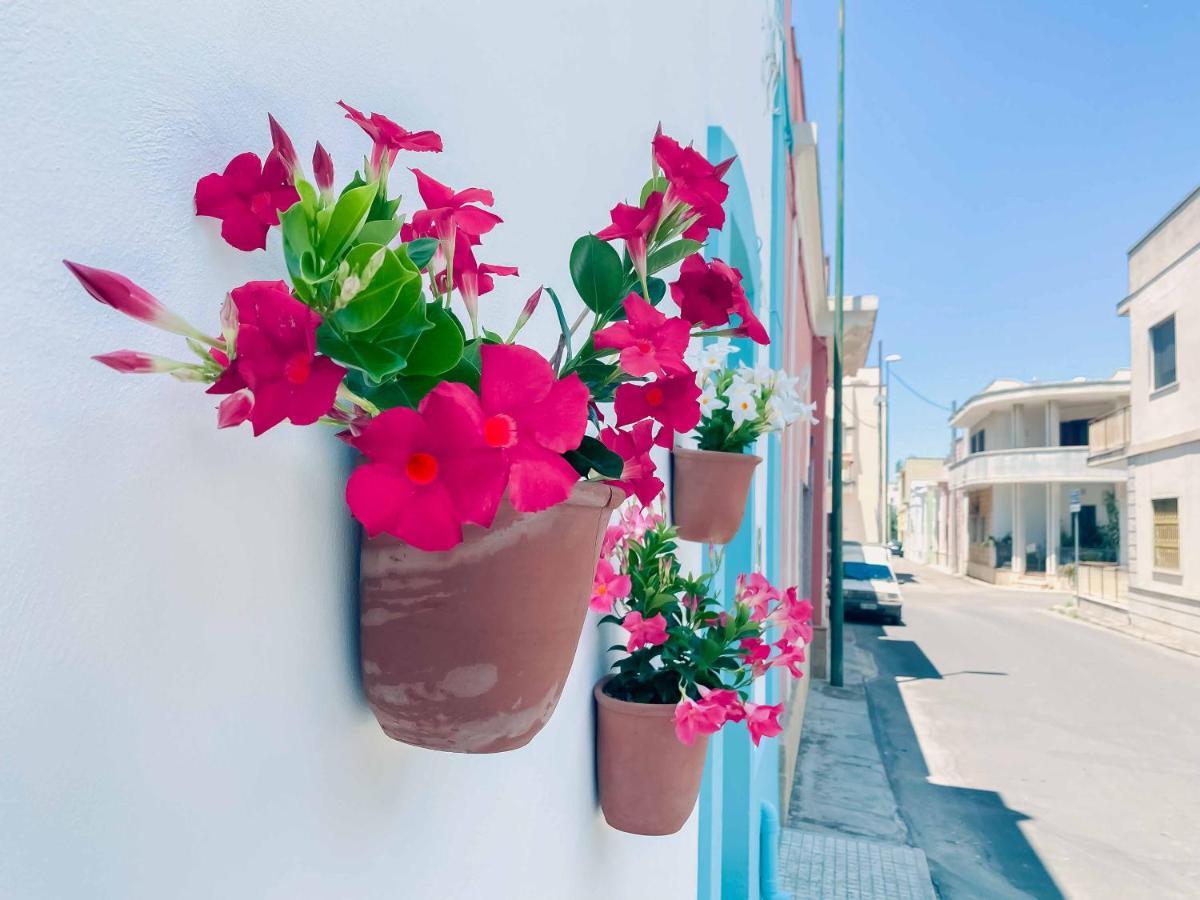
180,712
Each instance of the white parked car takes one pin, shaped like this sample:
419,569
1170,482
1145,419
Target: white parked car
868,583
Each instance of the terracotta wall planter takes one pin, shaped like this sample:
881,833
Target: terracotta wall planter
649,779
468,650
709,491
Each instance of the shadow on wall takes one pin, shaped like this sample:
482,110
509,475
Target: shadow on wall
972,839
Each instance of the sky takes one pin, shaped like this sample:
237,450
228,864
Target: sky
1002,156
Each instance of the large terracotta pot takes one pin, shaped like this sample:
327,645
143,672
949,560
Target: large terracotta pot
649,779
467,650
709,491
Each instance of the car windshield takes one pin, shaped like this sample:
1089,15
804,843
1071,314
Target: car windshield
858,571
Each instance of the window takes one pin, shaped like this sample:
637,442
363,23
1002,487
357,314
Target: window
1162,353
1166,534
858,571
978,442
1073,433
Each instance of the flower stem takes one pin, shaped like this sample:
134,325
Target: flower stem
344,393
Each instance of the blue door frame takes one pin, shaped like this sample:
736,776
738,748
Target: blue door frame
740,785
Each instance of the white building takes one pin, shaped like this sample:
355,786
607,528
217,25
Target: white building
182,711
1025,456
1158,435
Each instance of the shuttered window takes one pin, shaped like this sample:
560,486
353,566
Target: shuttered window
1166,534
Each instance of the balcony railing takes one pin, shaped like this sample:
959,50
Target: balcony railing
1026,465
1108,436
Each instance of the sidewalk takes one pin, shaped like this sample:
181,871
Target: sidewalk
844,837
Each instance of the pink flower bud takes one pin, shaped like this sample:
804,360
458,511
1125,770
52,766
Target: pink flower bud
124,296
530,305
284,147
235,409
131,362
323,168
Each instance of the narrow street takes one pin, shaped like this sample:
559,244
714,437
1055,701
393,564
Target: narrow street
1034,755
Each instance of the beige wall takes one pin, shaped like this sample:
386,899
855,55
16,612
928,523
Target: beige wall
861,419
1164,451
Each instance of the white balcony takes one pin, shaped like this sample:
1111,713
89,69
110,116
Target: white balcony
1108,437
1034,465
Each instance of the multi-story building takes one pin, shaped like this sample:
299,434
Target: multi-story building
1024,462
863,425
923,510
1157,435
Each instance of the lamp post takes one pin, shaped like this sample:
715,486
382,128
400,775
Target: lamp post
887,440
836,596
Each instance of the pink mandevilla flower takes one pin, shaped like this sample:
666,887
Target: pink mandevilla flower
132,362
755,651
389,138
724,699
708,292
614,536
247,197
757,593
282,144
531,419
763,721
693,719
790,657
277,358
636,522
448,211
673,402
235,409
650,343
429,470
126,297
795,615
608,587
644,632
634,225
638,474
473,279
695,181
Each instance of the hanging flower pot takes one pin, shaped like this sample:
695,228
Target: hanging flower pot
467,650
649,779
710,491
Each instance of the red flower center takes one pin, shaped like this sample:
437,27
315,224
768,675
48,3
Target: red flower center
644,346
500,431
421,468
297,368
654,396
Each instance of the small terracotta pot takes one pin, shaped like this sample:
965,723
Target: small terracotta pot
649,779
467,650
708,493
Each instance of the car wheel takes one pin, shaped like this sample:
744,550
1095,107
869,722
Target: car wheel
895,619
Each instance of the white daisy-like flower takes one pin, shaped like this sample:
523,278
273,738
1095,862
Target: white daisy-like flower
713,356
776,413
743,406
710,401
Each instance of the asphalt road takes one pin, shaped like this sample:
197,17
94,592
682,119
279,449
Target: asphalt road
1032,754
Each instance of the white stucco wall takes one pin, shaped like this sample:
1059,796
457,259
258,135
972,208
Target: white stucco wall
180,712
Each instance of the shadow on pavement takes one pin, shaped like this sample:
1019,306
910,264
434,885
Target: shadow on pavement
972,839
907,578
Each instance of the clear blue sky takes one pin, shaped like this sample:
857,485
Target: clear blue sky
1001,158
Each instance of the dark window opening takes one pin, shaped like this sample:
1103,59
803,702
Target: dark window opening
1073,433
1162,350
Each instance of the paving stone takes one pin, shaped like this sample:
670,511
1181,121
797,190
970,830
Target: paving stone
816,866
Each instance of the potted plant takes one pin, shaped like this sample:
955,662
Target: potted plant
737,405
688,668
481,493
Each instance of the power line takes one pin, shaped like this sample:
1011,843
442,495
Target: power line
921,396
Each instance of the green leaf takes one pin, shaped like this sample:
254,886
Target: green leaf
438,348
597,273
374,299
670,254
293,225
593,455
421,251
380,231
404,390
565,337
654,184
468,368
347,218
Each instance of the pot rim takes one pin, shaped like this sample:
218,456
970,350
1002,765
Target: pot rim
728,455
627,707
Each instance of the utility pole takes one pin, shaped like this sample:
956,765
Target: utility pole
879,401
836,599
